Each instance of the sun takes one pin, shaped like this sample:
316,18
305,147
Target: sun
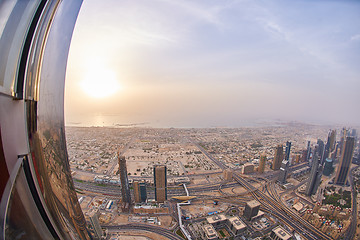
100,82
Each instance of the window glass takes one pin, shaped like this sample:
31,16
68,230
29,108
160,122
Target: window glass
16,17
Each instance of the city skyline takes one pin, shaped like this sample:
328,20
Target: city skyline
208,64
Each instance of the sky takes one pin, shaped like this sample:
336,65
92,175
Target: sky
214,63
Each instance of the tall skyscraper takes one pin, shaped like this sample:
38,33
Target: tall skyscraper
304,155
140,194
160,182
262,163
345,160
320,148
332,140
308,151
287,150
284,171
124,182
328,167
278,157
343,135
315,175
94,220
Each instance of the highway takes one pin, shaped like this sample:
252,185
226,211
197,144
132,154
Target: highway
350,234
289,217
272,205
115,189
150,228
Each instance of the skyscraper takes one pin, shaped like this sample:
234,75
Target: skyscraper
343,135
160,182
287,150
304,155
345,160
308,151
278,157
328,167
124,182
140,194
283,171
315,175
320,149
332,140
251,209
262,164
94,220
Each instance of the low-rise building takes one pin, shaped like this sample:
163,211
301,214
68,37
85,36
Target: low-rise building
280,233
236,225
248,168
216,220
210,232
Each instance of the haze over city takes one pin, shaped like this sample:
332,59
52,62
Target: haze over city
184,120
214,63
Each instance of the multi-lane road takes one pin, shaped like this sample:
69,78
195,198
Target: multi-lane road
143,227
177,191
274,205
350,234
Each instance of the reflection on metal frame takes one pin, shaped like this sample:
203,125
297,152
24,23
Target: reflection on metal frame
20,16
19,219
39,200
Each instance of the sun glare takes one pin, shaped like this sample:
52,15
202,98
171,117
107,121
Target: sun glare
100,83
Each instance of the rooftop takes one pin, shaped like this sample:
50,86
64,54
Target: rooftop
282,233
216,218
209,230
237,223
253,203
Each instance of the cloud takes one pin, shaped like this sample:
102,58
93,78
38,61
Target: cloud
355,37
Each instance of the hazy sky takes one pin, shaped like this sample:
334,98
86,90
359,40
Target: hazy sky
215,63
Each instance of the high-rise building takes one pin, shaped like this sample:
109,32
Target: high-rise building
332,140
94,220
124,182
251,209
297,158
228,175
320,148
345,160
278,157
160,182
328,167
308,151
287,150
304,155
343,135
262,163
140,194
315,175
283,171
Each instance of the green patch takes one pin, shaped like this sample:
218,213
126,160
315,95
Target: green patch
101,185
178,232
222,233
334,198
